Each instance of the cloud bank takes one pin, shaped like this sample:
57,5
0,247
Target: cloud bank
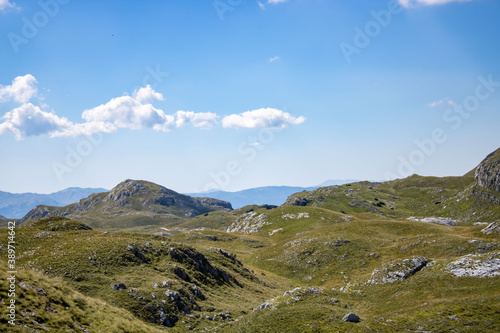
134,112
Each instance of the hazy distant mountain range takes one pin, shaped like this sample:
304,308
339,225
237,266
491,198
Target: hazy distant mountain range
16,205
270,195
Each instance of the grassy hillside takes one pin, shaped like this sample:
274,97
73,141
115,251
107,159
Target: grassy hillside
49,304
418,254
454,197
329,259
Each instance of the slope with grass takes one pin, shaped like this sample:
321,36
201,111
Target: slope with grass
303,266
465,198
155,278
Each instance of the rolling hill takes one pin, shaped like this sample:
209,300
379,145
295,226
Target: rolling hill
420,254
132,204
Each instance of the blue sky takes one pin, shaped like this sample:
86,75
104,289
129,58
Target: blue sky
237,94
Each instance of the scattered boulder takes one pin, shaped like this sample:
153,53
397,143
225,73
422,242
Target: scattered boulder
492,228
118,286
274,232
398,270
347,218
351,317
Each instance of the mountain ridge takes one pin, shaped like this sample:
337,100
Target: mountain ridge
130,203
265,195
16,205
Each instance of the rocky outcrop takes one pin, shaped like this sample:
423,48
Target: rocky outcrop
439,220
398,270
125,189
200,264
488,172
476,265
215,204
492,228
248,223
300,202
486,195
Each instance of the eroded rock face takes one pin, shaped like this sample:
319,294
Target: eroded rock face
488,172
398,270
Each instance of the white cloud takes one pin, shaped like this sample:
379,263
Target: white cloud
261,118
441,102
205,120
276,1
412,3
261,5
274,58
29,120
21,90
6,4
147,95
132,112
